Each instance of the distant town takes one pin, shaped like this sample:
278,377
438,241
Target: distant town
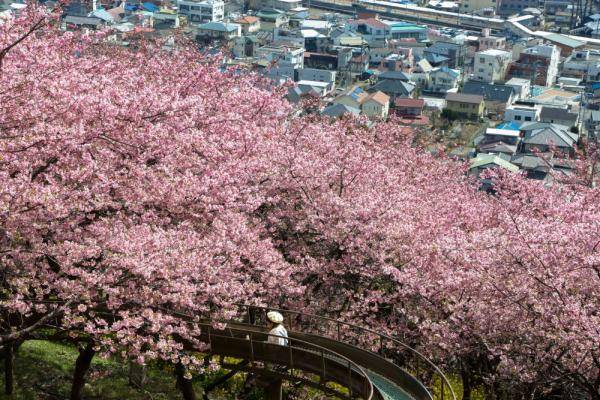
512,84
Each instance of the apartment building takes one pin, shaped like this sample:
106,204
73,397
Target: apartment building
491,65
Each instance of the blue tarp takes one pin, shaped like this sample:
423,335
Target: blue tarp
150,7
513,126
130,7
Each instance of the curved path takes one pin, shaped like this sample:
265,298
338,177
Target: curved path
352,362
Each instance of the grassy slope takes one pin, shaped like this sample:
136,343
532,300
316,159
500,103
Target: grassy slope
43,371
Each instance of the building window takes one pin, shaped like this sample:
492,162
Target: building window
517,117
527,118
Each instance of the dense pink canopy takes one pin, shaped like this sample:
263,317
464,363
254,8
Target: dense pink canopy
140,181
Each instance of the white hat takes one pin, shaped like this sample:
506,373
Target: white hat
275,317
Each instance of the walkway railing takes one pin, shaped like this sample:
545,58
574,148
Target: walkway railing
401,354
297,354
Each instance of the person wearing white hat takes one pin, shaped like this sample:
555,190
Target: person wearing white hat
276,325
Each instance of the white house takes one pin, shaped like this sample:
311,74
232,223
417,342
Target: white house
522,113
284,60
522,87
490,65
372,29
376,105
443,79
283,55
322,88
318,75
202,11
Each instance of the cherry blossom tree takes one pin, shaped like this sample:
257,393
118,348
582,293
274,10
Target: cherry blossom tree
140,184
129,182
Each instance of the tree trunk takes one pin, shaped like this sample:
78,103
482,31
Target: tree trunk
274,390
9,377
82,365
184,385
137,374
466,383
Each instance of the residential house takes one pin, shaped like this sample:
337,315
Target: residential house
318,75
496,97
395,61
420,73
592,125
522,113
224,31
406,30
521,87
436,60
372,29
559,115
486,161
169,19
353,98
202,11
321,26
491,42
544,137
407,107
393,75
455,52
321,88
491,65
76,22
376,105
394,88
272,18
284,59
535,166
442,79
329,61
314,40
499,141
499,148
468,105
338,110
245,46
297,93
359,64
583,64
249,24
418,48
538,63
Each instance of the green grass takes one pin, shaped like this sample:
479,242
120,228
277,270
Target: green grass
456,383
43,371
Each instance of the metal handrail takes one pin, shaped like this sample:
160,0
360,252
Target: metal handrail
419,356
323,352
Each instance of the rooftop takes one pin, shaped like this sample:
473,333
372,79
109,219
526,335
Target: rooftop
494,53
379,97
219,26
486,159
464,98
248,19
402,102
